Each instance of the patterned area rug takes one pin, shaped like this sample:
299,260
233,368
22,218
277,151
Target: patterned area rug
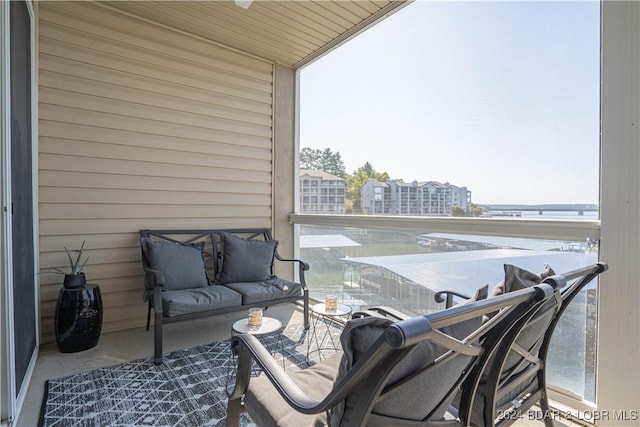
188,389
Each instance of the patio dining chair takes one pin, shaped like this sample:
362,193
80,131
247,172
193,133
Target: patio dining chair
511,379
402,373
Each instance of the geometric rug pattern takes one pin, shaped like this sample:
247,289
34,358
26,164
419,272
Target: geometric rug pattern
189,389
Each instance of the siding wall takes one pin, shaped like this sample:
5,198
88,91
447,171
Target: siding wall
142,127
290,32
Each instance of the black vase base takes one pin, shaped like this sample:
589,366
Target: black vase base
73,347
78,320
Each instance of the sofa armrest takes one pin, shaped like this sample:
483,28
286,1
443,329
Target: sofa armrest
303,264
153,280
302,267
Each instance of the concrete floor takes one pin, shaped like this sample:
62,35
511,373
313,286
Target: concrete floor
119,347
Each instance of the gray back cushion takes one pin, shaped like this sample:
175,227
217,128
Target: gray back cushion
182,266
245,260
416,398
516,278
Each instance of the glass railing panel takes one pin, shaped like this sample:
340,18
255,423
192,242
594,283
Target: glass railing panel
403,269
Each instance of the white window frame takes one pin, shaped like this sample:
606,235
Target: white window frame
617,387
11,399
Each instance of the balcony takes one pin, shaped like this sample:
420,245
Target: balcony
124,346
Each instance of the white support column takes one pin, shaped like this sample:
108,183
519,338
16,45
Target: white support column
618,387
284,162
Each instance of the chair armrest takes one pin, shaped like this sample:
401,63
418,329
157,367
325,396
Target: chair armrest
439,297
381,311
250,348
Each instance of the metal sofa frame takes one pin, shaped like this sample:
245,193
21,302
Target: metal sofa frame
154,279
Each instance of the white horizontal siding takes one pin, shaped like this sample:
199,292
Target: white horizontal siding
142,127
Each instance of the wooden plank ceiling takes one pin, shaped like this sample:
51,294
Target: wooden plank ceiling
285,31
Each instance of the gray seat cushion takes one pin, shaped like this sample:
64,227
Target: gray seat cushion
266,290
186,301
182,266
245,260
268,409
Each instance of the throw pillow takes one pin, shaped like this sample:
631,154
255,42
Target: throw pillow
516,278
481,293
182,266
245,260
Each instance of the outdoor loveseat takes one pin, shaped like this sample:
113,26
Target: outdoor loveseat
198,273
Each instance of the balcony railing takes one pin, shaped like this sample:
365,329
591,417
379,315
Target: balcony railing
402,261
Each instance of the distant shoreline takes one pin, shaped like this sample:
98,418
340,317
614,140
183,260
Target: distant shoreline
567,207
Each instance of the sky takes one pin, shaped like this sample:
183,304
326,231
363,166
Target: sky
501,97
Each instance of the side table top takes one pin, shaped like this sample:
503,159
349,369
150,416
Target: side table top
341,310
269,325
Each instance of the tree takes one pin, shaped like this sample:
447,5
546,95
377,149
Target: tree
474,211
358,179
458,211
324,160
310,158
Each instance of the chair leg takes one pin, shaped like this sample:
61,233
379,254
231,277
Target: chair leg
306,310
234,408
243,376
546,410
157,339
157,326
544,399
149,315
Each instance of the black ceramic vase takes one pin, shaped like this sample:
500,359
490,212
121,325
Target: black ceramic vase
78,318
74,281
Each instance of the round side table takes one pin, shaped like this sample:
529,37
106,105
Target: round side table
324,340
78,318
269,325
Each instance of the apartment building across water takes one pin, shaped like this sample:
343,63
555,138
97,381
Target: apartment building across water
321,192
396,197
